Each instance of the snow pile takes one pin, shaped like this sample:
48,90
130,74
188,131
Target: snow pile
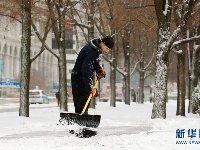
125,127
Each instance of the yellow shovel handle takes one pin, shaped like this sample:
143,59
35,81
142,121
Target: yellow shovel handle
89,98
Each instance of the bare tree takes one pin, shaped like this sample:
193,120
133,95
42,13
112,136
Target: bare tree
42,11
136,48
181,67
165,42
113,55
193,106
127,64
180,64
57,10
193,49
25,58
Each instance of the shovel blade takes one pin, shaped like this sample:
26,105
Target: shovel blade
92,121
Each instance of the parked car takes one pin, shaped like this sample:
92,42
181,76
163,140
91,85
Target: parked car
105,92
38,96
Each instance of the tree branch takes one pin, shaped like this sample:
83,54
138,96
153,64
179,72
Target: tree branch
43,41
11,17
177,43
139,7
183,23
111,64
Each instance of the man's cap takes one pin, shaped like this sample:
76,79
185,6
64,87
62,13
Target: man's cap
108,41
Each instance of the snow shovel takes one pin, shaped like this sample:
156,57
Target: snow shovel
82,119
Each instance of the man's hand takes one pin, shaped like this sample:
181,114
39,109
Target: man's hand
100,73
93,92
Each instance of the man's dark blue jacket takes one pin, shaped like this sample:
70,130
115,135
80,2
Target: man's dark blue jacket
88,60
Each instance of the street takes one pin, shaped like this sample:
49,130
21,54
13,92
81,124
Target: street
8,100
12,105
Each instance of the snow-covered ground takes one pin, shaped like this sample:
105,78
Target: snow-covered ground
128,127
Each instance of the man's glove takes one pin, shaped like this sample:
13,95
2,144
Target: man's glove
93,92
100,73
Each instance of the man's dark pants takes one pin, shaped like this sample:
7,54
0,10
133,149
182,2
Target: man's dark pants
80,94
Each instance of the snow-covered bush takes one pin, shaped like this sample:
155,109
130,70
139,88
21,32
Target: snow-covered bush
195,100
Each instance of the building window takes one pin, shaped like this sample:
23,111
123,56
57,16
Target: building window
70,51
70,61
68,40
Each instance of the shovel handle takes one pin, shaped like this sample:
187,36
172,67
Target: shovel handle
89,98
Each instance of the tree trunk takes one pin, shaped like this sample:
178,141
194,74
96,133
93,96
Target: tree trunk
181,83
91,36
189,58
113,75
195,74
62,80
141,86
112,86
62,60
160,96
189,94
127,64
25,58
159,106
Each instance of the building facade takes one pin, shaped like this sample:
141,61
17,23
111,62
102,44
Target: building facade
10,45
46,65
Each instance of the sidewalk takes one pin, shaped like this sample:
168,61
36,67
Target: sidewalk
5,100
